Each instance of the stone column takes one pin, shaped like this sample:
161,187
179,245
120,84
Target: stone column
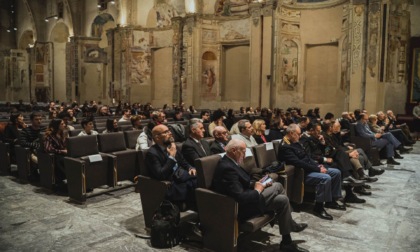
177,26
256,54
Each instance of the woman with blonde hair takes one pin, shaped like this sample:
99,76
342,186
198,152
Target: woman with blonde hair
259,129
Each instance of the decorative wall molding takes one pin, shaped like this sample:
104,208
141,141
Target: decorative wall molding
357,36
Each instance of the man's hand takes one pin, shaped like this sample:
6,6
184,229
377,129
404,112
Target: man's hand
329,160
378,135
259,187
321,139
172,150
354,154
192,172
322,169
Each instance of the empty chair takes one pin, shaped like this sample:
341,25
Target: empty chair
46,164
127,165
86,168
130,137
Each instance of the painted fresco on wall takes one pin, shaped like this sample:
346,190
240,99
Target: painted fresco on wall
344,65
209,76
19,69
415,85
289,69
99,23
164,13
237,29
93,54
140,67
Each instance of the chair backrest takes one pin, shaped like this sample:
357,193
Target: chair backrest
263,156
276,145
75,132
80,146
131,138
111,142
353,131
142,164
209,140
249,163
205,170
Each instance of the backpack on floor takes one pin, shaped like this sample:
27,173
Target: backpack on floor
165,231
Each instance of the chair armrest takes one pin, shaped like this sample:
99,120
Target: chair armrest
216,211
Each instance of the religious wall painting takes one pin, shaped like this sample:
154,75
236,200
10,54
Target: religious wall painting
19,69
93,54
289,66
41,53
99,23
415,80
209,36
234,30
140,67
344,78
208,75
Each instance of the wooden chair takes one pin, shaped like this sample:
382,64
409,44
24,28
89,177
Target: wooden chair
130,137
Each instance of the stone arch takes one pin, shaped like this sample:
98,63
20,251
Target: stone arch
101,23
60,33
160,15
26,40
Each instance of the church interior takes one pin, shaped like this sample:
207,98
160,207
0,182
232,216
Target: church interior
334,55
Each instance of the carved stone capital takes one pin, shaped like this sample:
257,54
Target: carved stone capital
255,11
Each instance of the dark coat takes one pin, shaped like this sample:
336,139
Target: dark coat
191,150
160,167
232,180
216,148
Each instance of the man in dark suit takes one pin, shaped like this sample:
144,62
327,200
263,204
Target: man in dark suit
254,198
195,147
326,180
164,162
220,140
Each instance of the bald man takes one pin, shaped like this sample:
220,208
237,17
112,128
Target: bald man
165,162
220,140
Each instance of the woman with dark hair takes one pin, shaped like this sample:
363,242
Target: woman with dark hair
276,129
230,119
111,126
55,141
217,118
311,115
53,114
136,122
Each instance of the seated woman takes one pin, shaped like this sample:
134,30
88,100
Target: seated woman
218,117
276,130
259,128
87,125
145,139
136,122
111,126
55,142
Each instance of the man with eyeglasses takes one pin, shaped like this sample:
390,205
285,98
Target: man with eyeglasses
165,162
220,140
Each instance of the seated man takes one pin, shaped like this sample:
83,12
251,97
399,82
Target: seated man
379,123
164,162
220,140
87,125
29,138
362,129
246,130
195,147
393,126
326,180
254,198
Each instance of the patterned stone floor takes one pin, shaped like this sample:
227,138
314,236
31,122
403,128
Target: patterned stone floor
32,219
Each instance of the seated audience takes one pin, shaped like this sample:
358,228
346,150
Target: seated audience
165,162
195,147
393,126
326,180
276,129
87,125
220,140
126,117
363,130
259,129
205,116
12,133
230,119
218,116
29,137
254,198
246,132
145,139
55,141
136,122
111,126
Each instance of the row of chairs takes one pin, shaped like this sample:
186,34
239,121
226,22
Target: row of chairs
218,213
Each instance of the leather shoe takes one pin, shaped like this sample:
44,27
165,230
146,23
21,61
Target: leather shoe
375,171
405,150
299,227
335,205
362,191
291,248
367,178
398,156
321,213
391,161
366,186
352,181
352,198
